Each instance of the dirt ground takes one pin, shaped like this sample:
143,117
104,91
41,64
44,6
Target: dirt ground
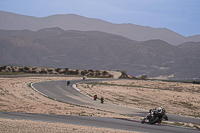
177,98
17,96
24,126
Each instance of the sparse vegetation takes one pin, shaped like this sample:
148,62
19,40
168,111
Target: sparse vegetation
11,73
143,76
29,85
11,70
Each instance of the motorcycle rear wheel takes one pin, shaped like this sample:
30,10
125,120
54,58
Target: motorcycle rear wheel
154,121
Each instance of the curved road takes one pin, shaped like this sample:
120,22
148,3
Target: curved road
60,91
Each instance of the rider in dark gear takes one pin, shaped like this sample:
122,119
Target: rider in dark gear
164,114
102,99
162,111
68,82
95,97
159,113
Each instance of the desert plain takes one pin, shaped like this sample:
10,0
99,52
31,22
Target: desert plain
16,95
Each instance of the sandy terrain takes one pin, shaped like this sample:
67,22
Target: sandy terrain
23,126
177,98
17,96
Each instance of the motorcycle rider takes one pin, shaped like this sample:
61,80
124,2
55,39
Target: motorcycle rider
155,115
68,82
102,100
161,110
95,97
164,114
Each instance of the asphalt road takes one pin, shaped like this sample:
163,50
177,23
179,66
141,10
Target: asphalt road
113,123
60,91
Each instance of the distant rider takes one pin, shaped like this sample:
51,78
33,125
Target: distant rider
68,82
95,97
102,99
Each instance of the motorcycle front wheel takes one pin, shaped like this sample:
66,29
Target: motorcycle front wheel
143,121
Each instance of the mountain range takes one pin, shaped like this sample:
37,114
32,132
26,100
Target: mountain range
55,47
11,21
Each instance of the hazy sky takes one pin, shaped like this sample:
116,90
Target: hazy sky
181,16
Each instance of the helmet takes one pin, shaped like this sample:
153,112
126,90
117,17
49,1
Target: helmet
159,110
162,107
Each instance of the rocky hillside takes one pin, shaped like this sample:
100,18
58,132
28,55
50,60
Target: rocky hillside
54,47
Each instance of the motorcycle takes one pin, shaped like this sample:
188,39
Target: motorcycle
68,82
102,100
154,117
95,97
